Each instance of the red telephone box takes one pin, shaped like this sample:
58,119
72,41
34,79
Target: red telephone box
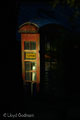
30,47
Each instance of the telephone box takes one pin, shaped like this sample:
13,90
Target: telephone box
30,47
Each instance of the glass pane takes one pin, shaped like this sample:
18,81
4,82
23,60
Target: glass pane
27,66
33,45
27,75
53,65
29,56
26,45
46,76
30,66
33,76
47,66
47,46
33,66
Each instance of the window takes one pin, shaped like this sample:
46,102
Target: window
29,45
30,71
30,66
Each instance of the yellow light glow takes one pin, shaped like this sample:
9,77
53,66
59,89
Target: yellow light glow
30,55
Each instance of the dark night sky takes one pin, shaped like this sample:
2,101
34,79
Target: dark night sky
42,13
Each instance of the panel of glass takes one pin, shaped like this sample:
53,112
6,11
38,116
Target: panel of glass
30,66
33,65
47,46
27,76
33,76
53,65
46,75
47,66
27,66
26,45
29,45
33,45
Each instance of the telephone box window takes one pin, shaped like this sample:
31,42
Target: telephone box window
30,66
26,45
30,76
47,66
29,45
27,66
27,75
30,71
33,66
33,45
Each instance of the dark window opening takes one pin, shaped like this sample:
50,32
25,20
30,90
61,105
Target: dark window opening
29,45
